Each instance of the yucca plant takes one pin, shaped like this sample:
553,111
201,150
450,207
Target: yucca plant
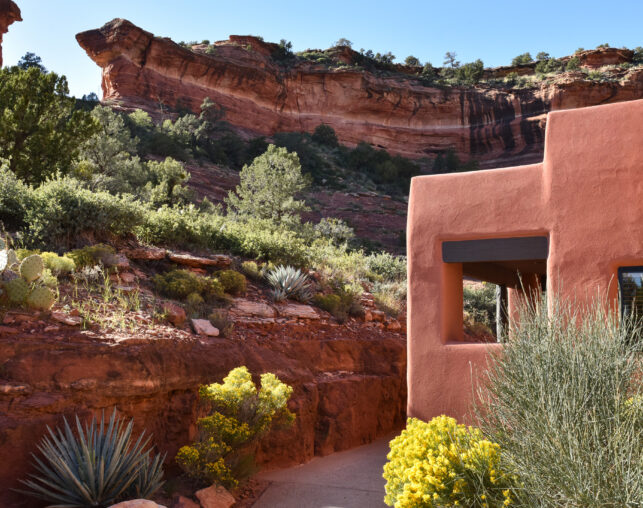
289,282
96,467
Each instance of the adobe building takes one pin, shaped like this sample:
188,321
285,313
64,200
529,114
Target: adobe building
571,225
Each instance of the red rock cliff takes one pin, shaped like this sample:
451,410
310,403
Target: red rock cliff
495,126
9,13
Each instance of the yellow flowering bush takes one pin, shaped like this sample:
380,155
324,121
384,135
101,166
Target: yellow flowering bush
442,463
236,416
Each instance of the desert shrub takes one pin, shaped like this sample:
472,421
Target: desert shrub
469,73
442,463
334,230
289,282
237,415
479,303
64,214
390,296
232,281
341,303
92,255
312,163
181,284
178,284
325,135
59,265
523,59
252,270
98,465
555,400
386,267
220,320
548,65
637,57
572,64
15,199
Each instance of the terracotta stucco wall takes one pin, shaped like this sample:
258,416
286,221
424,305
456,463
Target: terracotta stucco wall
586,196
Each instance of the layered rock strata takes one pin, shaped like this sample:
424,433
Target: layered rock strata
394,110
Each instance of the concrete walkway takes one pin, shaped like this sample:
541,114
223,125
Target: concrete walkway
350,479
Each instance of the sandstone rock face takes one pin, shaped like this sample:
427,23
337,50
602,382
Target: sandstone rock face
215,497
9,13
495,126
349,387
297,310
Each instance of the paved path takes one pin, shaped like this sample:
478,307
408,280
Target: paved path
350,479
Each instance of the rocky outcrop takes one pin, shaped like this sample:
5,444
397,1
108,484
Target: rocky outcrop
349,385
9,13
391,110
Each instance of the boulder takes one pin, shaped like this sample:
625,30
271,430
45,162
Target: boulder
215,497
66,319
298,311
146,253
245,307
185,259
204,327
137,503
175,313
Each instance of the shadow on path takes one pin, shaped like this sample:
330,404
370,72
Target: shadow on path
349,479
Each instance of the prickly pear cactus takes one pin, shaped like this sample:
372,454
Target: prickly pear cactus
17,290
31,267
12,258
41,298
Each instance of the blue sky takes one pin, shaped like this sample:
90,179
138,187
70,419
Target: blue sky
494,31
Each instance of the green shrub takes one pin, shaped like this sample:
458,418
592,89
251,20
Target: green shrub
442,463
555,401
15,199
252,270
178,284
325,135
390,296
479,304
181,284
523,59
572,64
92,255
237,415
341,304
99,465
386,267
59,265
232,281
65,214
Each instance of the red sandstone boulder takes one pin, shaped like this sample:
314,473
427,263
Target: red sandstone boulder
243,307
204,327
175,313
298,311
218,261
215,497
146,253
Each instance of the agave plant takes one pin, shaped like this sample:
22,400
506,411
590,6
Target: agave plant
98,466
289,282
